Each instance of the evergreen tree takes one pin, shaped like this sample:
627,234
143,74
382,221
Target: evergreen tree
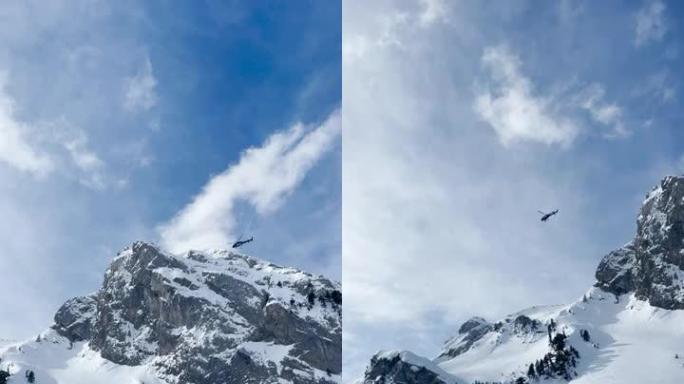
531,373
539,368
337,297
30,376
585,335
4,375
558,342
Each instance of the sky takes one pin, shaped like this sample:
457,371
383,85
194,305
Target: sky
186,124
461,120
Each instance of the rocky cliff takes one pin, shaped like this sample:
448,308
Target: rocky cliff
652,265
213,317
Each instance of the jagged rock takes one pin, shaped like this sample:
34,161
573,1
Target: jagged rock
74,319
470,324
524,324
615,272
470,332
652,265
404,367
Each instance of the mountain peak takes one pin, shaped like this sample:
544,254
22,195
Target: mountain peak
209,316
652,264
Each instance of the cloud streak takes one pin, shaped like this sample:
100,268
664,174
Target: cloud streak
510,106
15,149
510,103
263,177
140,90
650,23
607,114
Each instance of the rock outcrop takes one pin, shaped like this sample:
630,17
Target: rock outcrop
652,265
404,367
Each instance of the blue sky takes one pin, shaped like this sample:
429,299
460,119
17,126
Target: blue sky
115,116
462,119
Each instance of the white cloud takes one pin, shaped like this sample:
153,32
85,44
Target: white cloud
140,90
39,148
650,23
263,177
88,163
15,148
85,159
510,106
433,10
608,114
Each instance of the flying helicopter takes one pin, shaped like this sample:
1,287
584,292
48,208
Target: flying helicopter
240,243
546,216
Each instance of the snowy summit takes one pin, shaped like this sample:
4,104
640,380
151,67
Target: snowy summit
202,317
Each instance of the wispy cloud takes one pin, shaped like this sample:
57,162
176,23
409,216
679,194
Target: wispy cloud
605,113
650,23
509,104
517,111
15,148
88,166
433,10
46,147
263,177
140,89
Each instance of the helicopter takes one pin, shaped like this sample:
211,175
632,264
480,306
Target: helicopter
546,216
240,243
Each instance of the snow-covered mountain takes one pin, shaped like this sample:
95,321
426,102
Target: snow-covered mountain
628,328
202,318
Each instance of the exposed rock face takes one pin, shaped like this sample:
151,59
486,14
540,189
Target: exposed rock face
74,319
472,323
211,318
615,272
469,332
525,325
404,367
652,265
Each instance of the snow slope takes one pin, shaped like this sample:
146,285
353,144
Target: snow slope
630,342
54,359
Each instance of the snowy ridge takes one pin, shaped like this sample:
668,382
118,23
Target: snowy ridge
627,339
201,317
628,328
54,359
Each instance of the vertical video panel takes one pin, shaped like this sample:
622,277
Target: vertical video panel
170,192
512,192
